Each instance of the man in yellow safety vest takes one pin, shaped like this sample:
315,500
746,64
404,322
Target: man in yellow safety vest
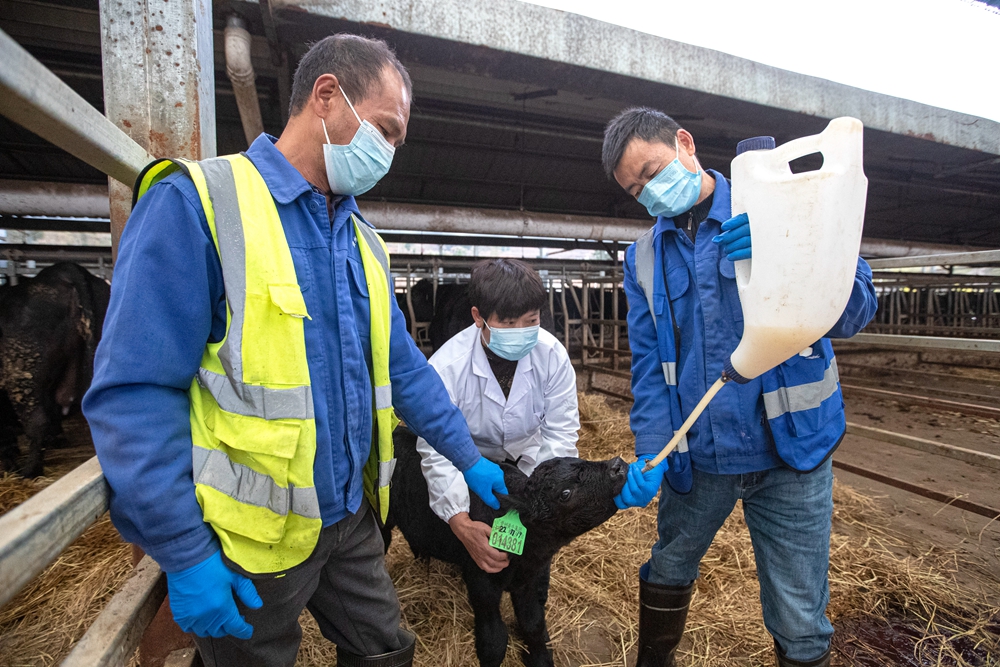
253,355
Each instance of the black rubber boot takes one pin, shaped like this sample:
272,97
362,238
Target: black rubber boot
785,661
401,658
663,611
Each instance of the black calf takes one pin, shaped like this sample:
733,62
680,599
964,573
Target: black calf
561,500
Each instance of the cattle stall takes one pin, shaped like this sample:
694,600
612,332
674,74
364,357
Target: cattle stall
82,117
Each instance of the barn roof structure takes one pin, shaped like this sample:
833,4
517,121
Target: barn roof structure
510,101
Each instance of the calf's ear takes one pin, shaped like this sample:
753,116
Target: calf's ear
516,482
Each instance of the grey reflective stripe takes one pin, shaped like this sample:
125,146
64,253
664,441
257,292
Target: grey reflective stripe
228,390
682,446
645,257
804,396
256,401
372,240
385,470
232,254
383,397
214,469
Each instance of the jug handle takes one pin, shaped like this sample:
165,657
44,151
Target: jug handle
822,143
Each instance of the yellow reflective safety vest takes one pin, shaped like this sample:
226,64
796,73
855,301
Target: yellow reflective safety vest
252,426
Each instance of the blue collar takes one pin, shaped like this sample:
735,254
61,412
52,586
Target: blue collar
283,180
721,210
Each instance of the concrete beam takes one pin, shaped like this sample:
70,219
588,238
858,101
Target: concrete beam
423,218
561,37
75,200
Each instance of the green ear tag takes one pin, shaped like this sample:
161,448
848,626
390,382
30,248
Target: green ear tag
508,533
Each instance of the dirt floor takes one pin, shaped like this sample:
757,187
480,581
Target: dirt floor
913,582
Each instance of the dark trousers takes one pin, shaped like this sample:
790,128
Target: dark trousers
346,588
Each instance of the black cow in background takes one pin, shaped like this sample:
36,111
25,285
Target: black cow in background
561,500
422,298
49,329
453,312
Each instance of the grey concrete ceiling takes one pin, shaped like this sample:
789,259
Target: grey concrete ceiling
497,127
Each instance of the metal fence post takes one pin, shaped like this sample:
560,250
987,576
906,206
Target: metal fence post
159,83
159,88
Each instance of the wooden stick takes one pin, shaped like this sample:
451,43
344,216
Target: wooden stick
688,423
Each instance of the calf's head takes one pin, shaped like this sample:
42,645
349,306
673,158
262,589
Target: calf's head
564,497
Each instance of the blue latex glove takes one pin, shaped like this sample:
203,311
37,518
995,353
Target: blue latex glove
735,238
485,478
201,599
640,488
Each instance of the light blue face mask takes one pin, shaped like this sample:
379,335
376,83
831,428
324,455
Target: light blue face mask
672,191
354,169
512,344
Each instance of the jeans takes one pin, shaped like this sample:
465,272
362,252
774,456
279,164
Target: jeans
789,515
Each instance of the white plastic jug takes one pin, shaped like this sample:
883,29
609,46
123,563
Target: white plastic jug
806,234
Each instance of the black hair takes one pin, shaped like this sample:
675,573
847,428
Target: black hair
642,122
357,62
507,287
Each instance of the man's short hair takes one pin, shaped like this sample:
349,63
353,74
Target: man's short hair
642,122
508,287
357,62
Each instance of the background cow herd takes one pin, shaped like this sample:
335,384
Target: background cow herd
50,326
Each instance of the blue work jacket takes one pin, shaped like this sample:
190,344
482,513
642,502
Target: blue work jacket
736,434
168,301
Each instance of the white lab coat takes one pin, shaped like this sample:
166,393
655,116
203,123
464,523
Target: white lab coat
538,421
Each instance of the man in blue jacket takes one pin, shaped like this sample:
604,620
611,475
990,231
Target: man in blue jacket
774,455
169,310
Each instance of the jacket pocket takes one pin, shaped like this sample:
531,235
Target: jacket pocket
357,271
303,267
678,282
730,293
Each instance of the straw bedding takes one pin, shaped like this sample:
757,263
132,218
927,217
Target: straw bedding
889,607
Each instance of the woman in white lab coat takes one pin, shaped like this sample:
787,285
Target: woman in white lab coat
515,385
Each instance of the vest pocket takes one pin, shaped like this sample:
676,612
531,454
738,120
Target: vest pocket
273,341
288,299
809,396
242,481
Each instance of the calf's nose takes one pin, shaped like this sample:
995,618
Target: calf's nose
619,469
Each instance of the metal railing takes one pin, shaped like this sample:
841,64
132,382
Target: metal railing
910,304
35,533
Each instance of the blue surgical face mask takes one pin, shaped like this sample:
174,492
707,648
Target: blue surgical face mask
354,169
512,344
672,191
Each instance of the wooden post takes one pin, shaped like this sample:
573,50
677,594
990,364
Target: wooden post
159,88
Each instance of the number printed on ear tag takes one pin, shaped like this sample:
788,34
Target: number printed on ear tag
508,533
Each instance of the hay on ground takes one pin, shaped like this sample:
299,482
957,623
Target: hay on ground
890,608
41,624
